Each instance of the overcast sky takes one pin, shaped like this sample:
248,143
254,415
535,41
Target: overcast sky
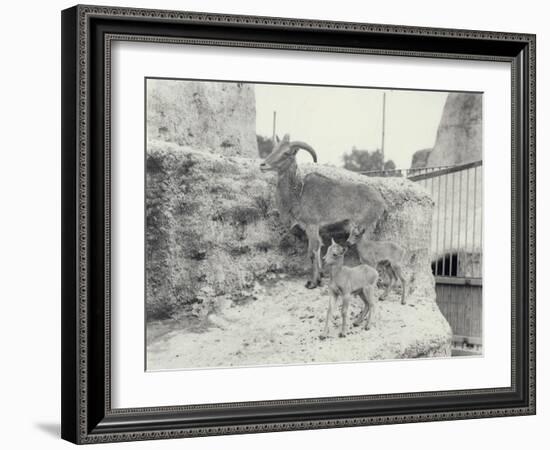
334,119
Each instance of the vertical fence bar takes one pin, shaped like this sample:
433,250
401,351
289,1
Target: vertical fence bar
481,218
452,225
474,220
467,207
445,222
459,250
434,222
438,225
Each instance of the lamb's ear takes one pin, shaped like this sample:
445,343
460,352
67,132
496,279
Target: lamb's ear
277,140
286,138
345,250
332,241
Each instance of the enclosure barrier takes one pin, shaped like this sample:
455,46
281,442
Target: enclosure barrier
456,245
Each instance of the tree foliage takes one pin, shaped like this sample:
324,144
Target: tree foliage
265,145
389,165
363,161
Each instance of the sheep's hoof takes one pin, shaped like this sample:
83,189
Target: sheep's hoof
341,334
313,284
323,337
356,324
403,302
367,327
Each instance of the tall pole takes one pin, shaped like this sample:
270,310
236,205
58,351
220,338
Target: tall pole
383,126
274,126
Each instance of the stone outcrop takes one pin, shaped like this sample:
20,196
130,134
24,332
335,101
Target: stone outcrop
459,136
214,117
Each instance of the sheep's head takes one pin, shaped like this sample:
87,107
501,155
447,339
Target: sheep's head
334,253
284,154
355,234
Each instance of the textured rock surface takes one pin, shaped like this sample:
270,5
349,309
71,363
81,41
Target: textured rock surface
214,117
459,136
211,228
221,265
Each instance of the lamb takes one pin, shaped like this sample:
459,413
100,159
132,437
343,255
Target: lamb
316,201
345,281
387,253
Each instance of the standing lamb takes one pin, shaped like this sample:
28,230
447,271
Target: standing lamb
316,201
387,253
345,281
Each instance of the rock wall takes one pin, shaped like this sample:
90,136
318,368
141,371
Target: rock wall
214,117
459,136
213,228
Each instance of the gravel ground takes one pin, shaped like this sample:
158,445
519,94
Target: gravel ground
281,324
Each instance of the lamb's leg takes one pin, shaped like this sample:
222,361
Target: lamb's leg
364,311
331,299
392,277
345,306
314,253
368,292
399,272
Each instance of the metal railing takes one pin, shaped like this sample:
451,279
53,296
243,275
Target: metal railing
408,173
457,227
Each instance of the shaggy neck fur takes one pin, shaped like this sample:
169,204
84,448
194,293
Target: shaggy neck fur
289,188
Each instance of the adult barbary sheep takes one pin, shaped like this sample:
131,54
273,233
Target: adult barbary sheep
316,201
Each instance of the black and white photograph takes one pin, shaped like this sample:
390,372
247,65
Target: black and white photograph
291,224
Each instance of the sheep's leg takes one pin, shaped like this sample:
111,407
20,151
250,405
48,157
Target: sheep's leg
364,311
368,292
397,270
314,254
392,277
331,299
384,274
345,306
318,260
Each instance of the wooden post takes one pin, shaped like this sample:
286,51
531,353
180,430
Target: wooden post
274,126
383,129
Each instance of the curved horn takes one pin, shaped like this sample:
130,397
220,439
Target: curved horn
295,145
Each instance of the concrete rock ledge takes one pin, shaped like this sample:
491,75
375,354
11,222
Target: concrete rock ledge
221,265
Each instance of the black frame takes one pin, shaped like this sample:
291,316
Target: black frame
87,32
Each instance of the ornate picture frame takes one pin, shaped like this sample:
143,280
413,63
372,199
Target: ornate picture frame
88,33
